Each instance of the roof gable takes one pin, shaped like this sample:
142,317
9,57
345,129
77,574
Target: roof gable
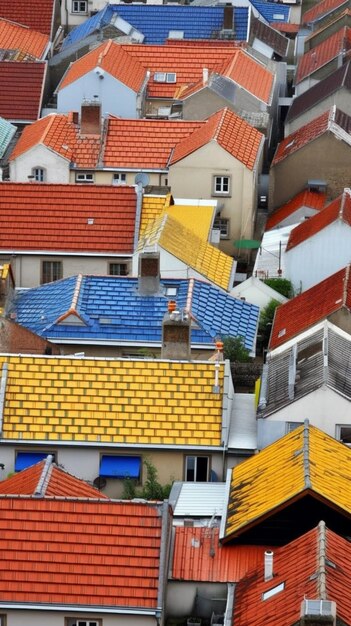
22,39
32,214
251,75
338,210
313,60
311,199
80,560
295,466
25,78
310,307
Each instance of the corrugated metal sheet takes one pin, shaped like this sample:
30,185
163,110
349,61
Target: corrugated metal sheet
199,499
243,427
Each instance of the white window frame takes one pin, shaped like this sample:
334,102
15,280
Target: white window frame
39,174
338,429
171,77
221,185
187,469
119,178
165,77
85,177
78,621
223,225
77,6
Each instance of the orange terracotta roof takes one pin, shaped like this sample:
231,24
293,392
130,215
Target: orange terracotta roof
285,27
198,556
16,37
113,59
302,136
311,199
37,15
87,553
251,75
320,9
230,131
32,216
48,480
60,134
311,307
298,567
21,90
317,57
144,143
339,209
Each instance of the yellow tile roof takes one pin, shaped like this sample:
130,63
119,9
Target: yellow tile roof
187,246
198,219
111,401
152,208
306,460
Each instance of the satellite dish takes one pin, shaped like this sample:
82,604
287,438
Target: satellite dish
142,179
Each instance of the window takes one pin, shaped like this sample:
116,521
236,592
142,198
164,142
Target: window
343,433
118,269
176,34
196,468
119,178
26,459
171,291
221,185
273,591
79,6
116,466
77,621
39,174
84,177
222,224
51,270
165,77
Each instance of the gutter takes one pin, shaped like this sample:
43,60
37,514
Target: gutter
77,608
98,444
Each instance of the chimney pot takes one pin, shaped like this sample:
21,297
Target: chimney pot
268,565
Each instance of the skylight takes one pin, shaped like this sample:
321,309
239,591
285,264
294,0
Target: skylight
273,591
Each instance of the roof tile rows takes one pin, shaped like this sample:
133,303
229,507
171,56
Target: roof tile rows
112,401
321,9
310,307
28,42
79,553
311,199
338,43
32,215
27,79
339,209
36,15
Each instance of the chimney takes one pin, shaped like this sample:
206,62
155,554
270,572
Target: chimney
149,273
228,16
75,117
205,75
268,565
176,333
90,119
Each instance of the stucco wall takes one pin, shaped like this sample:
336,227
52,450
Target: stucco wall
106,177
56,618
181,598
56,168
115,97
340,98
325,158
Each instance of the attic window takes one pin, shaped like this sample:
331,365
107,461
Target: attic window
165,77
171,291
176,34
273,591
278,16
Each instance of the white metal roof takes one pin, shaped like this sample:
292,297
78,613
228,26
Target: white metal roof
243,424
197,499
267,259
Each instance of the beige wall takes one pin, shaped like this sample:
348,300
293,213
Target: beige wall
106,177
192,177
57,618
27,268
325,158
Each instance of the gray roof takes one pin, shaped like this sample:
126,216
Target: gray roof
322,356
271,37
243,425
197,499
339,79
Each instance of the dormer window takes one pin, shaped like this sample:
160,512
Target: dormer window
165,77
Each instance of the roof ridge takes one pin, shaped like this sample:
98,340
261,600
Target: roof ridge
44,477
76,292
322,573
306,450
53,117
220,124
189,297
104,51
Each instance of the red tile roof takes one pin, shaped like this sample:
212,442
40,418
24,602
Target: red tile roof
198,556
286,27
60,134
28,42
46,479
230,131
113,59
329,49
298,566
144,143
37,15
320,9
303,136
88,553
251,75
311,307
21,90
339,209
40,216
310,199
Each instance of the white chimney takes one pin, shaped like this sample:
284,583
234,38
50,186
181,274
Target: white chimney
205,75
268,565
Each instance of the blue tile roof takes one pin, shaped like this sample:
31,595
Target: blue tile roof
272,11
113,310
156,21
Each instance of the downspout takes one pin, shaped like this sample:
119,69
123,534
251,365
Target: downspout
3,384
139,203
163,571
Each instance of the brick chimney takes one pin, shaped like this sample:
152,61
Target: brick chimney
90,118
228,16
176,333
149,273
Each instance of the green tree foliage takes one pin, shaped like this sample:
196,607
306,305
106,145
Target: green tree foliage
234,350
129,489
281,285
266,321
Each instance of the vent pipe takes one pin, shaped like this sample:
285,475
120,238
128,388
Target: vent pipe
268,565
